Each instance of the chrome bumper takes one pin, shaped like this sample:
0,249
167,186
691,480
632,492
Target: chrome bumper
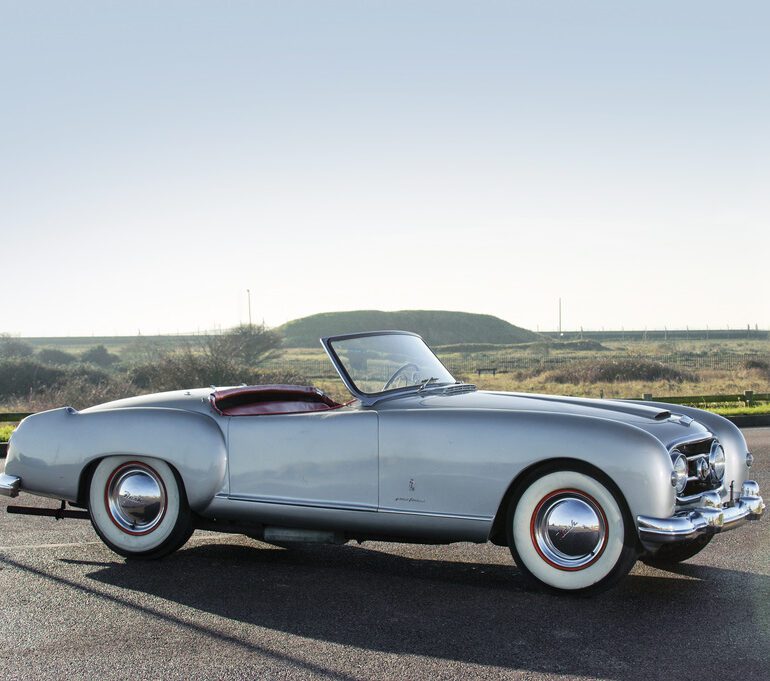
712,517
9,485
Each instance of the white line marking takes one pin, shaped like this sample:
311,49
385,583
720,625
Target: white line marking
47,546
196,540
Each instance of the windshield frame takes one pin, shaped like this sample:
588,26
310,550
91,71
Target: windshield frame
368,399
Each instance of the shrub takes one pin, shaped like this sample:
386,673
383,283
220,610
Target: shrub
100,356
754,363
56,357
12,348
617,370
19,377
187,369
78,392
246,344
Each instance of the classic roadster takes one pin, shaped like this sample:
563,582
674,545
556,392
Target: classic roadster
579,489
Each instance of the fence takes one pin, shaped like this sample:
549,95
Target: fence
481,362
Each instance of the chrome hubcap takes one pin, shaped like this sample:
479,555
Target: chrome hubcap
569,530
136,498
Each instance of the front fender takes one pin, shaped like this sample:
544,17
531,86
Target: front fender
49,451
451,461
635,460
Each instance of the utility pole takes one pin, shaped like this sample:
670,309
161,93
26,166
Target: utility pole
248,293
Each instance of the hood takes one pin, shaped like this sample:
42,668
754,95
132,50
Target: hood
666,425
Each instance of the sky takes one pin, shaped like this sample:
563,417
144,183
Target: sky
158,160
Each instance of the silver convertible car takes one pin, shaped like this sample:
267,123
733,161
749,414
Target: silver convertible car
579,489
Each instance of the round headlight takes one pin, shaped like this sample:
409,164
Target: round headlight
679,474
717,461
749,459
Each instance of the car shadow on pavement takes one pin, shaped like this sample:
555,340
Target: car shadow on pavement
695,619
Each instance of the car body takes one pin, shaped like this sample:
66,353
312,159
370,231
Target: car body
578,488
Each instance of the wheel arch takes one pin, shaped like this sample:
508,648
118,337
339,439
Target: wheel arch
498,531
633,460
84,483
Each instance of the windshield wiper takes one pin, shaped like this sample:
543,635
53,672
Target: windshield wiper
425,383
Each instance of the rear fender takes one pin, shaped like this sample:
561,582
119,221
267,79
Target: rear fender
52,450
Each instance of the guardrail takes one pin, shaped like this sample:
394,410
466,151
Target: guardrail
13,416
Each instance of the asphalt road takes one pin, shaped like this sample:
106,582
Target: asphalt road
229,607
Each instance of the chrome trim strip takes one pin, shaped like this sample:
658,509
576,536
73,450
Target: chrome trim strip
350,507
9,485
308,503
370,399
710,518
431,514
690,440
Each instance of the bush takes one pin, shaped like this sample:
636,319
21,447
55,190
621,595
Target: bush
617,370
55,357
246,344
100,356
20,377
78,392
187,369
11,348
760,364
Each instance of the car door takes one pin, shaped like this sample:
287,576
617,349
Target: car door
325,459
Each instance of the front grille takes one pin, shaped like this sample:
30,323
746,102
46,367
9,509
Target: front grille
696,452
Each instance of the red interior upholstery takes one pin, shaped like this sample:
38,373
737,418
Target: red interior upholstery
254,400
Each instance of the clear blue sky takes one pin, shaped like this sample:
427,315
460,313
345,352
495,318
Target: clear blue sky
158,159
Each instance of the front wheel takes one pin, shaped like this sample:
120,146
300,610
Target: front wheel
138,507
569,530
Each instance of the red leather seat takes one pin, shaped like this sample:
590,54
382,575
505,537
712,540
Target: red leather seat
257,400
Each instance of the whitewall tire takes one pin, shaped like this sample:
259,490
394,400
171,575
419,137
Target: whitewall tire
569,530
138,506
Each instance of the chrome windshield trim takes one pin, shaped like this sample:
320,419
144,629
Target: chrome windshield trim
370,399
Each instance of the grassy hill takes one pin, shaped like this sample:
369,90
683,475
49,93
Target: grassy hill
437,327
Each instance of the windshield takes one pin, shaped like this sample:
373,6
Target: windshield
389,361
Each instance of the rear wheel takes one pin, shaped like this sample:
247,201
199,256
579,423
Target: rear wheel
138,507
671,554
569,530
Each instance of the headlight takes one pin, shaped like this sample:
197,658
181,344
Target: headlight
749,459
717,461
679,474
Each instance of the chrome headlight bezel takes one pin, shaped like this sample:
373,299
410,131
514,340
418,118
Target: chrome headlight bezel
717,461
679,472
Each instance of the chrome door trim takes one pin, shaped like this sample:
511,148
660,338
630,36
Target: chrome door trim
305,503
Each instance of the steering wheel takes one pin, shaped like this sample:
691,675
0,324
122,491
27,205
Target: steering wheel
398,372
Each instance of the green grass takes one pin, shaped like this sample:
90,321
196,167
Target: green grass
740,410
5,431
